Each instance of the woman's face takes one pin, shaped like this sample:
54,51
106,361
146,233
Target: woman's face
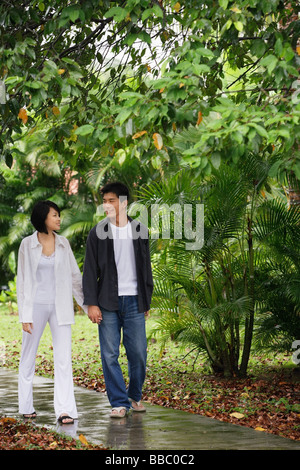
52,221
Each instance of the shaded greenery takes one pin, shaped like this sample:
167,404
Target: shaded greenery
211,297
94,74
194,102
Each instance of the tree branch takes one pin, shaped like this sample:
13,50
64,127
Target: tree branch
87,40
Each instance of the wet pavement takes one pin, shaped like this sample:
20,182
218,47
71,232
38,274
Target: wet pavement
158,429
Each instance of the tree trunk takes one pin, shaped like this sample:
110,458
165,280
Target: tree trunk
249,324
293,191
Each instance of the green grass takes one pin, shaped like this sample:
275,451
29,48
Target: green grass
86,350
171,366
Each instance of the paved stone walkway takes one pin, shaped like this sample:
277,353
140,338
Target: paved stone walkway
157,429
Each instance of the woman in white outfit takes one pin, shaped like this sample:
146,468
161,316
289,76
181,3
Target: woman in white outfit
47,278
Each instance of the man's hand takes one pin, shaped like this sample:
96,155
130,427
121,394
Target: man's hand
94,314
27,327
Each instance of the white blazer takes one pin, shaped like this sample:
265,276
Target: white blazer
68,279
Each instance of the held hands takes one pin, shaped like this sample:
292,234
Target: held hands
94,314
27,327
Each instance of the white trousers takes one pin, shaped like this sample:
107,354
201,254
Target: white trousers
64,400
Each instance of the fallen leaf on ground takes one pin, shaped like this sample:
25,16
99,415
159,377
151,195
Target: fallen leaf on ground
237,415
83,440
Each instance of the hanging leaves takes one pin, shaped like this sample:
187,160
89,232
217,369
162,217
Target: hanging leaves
84,130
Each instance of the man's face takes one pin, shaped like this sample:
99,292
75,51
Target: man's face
114,206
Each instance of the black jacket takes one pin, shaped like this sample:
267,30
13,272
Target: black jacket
100,278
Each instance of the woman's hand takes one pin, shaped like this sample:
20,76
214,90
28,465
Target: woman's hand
27,327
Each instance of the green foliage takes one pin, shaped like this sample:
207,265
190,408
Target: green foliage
278,322
210,298
215,81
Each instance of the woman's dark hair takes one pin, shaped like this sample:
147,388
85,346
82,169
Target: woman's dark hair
117,188
39,214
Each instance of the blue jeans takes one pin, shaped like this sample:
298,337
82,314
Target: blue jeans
132,321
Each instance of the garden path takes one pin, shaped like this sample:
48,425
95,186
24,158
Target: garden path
158,429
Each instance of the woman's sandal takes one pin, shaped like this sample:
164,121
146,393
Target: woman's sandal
30,415
68,419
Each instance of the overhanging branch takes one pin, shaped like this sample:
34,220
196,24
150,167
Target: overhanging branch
87,40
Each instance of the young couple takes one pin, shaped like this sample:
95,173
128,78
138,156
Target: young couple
115,291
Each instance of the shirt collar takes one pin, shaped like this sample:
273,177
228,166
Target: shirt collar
35,241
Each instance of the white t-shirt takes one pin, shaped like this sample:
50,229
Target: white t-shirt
125,259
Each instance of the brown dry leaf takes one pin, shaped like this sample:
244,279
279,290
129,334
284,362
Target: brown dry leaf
83,440
139,134
7,420
158,141
55,111
23,115
237,415
200,117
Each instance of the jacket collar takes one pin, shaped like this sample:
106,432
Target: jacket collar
35,241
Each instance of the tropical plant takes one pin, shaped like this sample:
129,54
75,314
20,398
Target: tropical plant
209,298
277,231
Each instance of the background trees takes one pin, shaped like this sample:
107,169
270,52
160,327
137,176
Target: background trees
145,91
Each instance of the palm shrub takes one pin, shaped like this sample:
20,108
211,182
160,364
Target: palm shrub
208,298
277,230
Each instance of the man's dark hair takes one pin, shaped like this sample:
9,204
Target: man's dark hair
117,188
39,214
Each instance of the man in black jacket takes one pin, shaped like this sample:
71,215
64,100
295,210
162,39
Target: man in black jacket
117,286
